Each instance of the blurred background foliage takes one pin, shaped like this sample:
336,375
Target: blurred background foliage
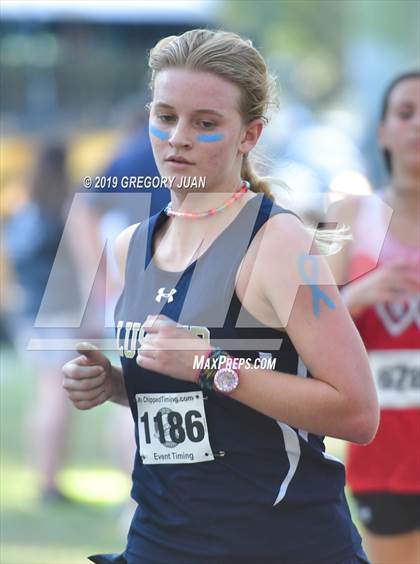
311,43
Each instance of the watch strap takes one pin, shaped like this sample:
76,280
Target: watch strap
206,375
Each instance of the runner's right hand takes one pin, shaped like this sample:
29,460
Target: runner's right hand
88,378
387,283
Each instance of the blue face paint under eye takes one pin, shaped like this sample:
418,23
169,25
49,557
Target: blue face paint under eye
158,133
210,137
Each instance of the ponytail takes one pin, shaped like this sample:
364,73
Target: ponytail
257,183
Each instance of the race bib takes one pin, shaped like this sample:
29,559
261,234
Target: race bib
397,377
173,428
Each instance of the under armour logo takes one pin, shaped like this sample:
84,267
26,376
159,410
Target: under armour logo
162,294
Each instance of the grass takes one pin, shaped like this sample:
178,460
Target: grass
35,533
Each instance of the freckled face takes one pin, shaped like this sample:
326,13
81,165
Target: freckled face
195,115
400,131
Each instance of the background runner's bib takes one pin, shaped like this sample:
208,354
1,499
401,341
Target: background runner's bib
397,377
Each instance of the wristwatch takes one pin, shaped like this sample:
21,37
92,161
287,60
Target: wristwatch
221,379
226,380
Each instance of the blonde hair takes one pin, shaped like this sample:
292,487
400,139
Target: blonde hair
235,59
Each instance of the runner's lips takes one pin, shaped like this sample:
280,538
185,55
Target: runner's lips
177,159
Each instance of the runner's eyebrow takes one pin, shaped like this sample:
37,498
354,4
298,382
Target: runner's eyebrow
200,111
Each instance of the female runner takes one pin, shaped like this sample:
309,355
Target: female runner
230,464
385,476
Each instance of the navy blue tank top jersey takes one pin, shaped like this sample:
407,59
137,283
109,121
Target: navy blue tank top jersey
268,492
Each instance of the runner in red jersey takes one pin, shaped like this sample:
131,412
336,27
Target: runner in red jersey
385,304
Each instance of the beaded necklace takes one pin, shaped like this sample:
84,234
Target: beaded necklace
245,186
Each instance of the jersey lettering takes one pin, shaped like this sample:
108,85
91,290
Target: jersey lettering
134,333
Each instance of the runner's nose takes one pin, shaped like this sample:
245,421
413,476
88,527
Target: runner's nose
180,136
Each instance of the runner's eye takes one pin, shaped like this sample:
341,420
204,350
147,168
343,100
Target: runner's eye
206,124
405,113
166,118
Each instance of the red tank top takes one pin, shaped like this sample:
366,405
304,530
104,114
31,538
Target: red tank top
391,333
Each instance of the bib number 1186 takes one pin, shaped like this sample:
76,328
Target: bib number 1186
177,426
173,428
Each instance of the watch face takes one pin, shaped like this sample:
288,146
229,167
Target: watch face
226,380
